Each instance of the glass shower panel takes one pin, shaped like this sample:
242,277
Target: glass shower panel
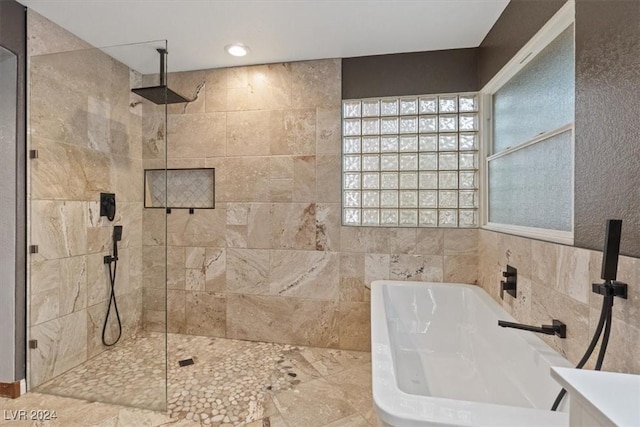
8,116
532,186
95,266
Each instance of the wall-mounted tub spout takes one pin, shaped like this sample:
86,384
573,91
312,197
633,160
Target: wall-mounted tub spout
556,328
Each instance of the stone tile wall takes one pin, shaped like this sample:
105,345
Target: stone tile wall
89,141
554,281
272,261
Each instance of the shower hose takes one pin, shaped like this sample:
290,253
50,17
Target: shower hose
112,299
603,323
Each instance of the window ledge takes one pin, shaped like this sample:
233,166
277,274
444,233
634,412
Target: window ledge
562,237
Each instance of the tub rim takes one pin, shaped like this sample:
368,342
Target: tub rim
395,407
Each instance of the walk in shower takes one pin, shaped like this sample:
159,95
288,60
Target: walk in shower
91,257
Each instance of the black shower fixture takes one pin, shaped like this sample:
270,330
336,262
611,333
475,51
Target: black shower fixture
161,94
108,205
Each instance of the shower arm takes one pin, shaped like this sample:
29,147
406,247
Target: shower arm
163,77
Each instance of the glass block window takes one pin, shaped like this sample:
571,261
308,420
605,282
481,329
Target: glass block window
410,161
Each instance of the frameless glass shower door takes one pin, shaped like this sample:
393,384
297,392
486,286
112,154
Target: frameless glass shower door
97,256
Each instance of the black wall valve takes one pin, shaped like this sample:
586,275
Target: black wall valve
510,284
108,205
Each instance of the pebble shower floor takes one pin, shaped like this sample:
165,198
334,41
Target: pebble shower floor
231,383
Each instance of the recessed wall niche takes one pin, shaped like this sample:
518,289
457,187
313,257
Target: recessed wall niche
179,188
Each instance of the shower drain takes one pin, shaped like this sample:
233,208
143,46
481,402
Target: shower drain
186,362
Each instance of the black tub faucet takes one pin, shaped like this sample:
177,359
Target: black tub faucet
556,328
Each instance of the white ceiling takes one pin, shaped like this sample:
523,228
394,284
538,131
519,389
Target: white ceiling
275,30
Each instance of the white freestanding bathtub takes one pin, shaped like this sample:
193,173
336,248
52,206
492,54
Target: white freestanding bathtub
439,358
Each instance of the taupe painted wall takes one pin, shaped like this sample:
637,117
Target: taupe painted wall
443,71
519,21
607,126
12,192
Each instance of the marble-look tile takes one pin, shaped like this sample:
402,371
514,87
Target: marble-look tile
215,265
313,403
403,241
515,251
353,239
42,31
429,242
378,239
305,274
251,133
355,420
624,344
547,304
351,286
329,361
293,225
205,314
376,267
316,83
356,384
197,135
461,269
58,288
128,178
247,271
544,263
328,130
175,267
176,311
304,178
247,180
281,167
573,273
206,227
153,227
153,267
62,344
460,242
520,307
261,87
328,185
355,326
191,85
194,257
282,319
58,228
68,172
216,82
195,279
328,227
297,133
281,189
255,231
416,268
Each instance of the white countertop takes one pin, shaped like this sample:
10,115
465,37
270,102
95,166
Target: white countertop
613,395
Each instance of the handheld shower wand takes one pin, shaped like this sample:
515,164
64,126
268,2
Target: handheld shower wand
109,260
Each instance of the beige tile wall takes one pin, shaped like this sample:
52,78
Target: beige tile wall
88,141
554,281
272,261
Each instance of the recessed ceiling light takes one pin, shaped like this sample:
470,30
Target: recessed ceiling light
237,49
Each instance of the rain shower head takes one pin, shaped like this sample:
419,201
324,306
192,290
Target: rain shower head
161,94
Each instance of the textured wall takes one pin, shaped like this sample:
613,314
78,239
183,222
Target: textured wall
519,21
272,261
607,129
88,139
554,282
443,71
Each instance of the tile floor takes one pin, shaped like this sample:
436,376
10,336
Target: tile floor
231,383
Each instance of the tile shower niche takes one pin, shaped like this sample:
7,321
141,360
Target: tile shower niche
180,188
